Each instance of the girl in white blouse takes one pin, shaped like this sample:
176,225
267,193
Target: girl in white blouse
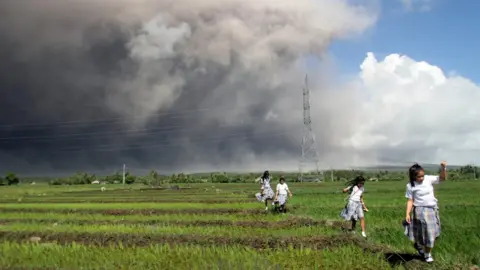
354,210
425,222
281,194
266,191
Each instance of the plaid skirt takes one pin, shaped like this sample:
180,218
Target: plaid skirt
353,210
424,227
267,194
282,199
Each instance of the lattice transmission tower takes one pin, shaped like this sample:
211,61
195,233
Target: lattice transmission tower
309,145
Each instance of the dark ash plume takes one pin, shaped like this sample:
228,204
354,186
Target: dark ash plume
171,85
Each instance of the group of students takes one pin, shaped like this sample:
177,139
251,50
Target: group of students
279,197
421,223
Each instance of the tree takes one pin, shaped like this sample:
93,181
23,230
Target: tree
154,175
129,179
82,178
221,178
57,182
152,179
115,178
12,179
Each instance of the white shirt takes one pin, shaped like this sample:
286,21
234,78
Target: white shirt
282,189
422,193
356,193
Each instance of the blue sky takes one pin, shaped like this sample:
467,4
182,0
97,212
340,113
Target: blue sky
447,36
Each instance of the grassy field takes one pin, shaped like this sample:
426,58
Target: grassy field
201,226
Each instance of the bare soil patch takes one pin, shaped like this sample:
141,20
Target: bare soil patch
127,200
288,223
123,212
122,190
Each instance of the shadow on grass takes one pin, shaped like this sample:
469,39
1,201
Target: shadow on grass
396,259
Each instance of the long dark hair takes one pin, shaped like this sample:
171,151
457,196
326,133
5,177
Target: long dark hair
354,182
413,172
265,175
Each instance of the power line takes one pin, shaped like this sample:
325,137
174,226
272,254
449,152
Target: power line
168,143
87,135
114,119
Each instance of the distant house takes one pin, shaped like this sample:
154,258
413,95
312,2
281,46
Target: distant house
96,182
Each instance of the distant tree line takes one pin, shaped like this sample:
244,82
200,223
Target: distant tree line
153,178
9,179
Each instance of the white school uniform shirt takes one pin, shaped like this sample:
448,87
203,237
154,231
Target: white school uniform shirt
282,189
422,193
356,193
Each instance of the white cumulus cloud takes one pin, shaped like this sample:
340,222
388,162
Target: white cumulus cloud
411,110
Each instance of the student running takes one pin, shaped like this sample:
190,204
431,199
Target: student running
281,195
266,192
354,210
424,224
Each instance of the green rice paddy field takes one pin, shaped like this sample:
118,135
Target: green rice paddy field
222,226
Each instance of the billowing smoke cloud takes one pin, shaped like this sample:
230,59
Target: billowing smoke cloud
172,85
